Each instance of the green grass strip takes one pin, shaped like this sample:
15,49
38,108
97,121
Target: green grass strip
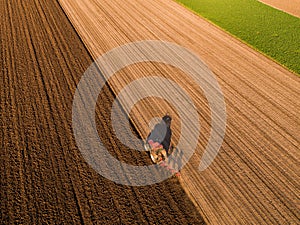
270,31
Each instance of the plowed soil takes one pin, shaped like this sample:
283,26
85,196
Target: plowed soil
255,178
44,178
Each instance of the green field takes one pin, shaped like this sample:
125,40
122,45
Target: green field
270,31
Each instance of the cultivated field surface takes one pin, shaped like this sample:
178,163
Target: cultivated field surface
270,31
44,178
45,48
255,177
290,6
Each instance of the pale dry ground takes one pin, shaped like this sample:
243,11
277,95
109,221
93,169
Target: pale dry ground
290,6
255,177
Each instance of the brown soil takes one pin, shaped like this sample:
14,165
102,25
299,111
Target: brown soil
44,178
255,178
290,6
